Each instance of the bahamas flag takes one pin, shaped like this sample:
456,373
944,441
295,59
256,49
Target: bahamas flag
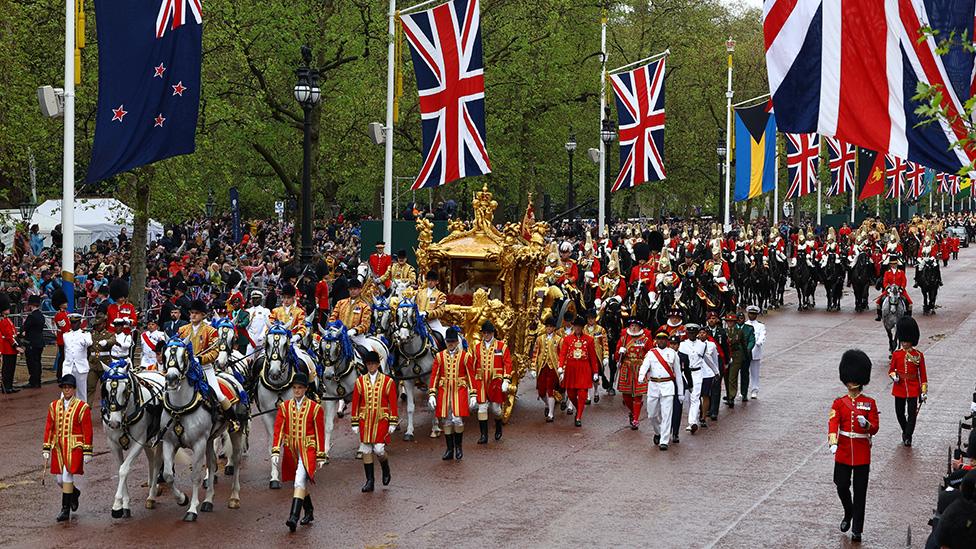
755,151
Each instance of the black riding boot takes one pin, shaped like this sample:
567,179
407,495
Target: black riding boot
449,439
65,507
878,318
385,467
498,429
370,477
458,453
74,499
309,517
483,425
296,509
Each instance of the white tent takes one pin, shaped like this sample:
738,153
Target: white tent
45,224
102,217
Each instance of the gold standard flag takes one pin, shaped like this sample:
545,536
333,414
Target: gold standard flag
755,151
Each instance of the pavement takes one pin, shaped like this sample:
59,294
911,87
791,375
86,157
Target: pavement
759,477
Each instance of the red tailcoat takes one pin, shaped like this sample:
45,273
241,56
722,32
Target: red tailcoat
301,432
853,441
493,364
379,264
577,358
322,295
119,310
910,367
896,277
945,248
374,408
68,435
452,381
636,347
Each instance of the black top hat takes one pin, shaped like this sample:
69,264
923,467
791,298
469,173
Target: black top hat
579,321
301,378
432,275
288,290
371,357
354,283
452,335
488,327
550,321
197,305
34,300
67,380
401,254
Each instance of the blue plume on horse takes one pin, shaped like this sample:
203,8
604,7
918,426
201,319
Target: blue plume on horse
341,335
420,327
223,322
118,369
279,329
381,304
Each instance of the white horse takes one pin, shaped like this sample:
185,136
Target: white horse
340,370
131,406
274,372
192,419
893,307
414,351
231,362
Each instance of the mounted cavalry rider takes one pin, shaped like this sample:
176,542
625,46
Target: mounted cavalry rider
831,248
892,247
203,338
589,263
400,273
611,282
665,276
431,303
719,269
354,313
570,271
894,275
290,314
928,253
644,271
777,243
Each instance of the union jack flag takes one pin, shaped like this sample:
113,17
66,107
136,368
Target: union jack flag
953,184
894,175
942,183
640,117
915,180
445,44
175,10
843,156
802,161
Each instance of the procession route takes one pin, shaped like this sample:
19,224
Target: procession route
760,476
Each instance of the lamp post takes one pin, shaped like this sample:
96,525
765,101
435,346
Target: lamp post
211,203
27,210
570,190
307,94
607,135
721,151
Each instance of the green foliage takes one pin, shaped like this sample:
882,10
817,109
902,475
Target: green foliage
542,76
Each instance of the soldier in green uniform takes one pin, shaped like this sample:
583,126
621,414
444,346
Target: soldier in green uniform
100,351
737,355
748,342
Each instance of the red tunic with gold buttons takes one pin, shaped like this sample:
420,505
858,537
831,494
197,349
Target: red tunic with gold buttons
121,310
570,272
577,358
645,272
68,435
374,408
853,441
635,347
910,367
493,364
300,431
452,381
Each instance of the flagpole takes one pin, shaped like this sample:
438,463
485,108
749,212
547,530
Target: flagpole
68,168
930,201
776,178
642,61
877,206
729,47
388,134
942,203
819,199
602,191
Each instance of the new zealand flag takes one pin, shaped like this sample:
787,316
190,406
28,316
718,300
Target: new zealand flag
148,83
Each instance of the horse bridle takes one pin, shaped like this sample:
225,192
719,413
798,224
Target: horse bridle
423,341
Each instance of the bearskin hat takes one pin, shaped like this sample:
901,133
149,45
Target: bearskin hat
855,367
655,241
58,298
907,330
118,288
642,251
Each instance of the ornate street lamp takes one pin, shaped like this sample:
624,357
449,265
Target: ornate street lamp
211,204
607,134
307,94
27,210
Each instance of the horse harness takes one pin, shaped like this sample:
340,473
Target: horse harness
115,406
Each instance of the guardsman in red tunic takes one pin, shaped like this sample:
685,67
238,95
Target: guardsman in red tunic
545,362
61,325
644,271
493,373
119,292
374,416
379,262
894,275
907,372
452,391
578,366
634,344
68,442
852,422
299,429
568,264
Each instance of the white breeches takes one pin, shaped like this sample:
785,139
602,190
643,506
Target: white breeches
435,324
64,476
301,477
694,401
659,409
379,449
496,410
754,374
360,339
212,381
81,380
452,420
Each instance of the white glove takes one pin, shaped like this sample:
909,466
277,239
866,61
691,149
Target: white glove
295,338
533,374
392,428
622,351
472,402
352,332
596,377
833,448
423,314
274,460
46,455
355,429
894,377
924,397
863,422
87,459
504,386
319,463
432,401
589,275
972,407
102,342
606,362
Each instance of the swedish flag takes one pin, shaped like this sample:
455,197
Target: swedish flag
755,151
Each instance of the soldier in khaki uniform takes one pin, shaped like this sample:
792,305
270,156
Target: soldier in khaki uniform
354,312
100,352
431,303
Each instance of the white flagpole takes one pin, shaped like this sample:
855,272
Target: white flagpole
388,134
602,190
776,178
819,200
930,201
729,47
68,168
